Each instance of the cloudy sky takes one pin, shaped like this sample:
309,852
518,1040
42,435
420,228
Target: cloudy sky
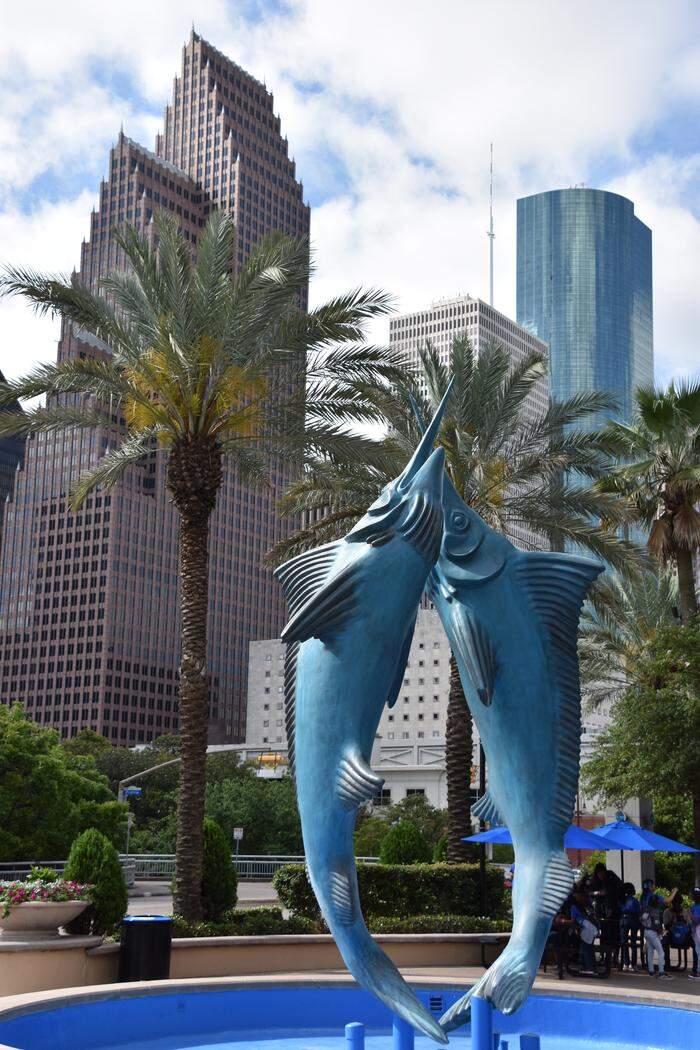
389,106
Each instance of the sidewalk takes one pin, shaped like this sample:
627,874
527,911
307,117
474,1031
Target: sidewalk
155,898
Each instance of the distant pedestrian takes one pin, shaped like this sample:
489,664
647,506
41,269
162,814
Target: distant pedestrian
652,906
695,929
630,915
587,931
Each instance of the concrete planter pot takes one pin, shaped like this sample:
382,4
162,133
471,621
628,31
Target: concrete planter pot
38,920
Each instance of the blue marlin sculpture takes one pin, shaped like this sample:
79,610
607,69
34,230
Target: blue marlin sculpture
511,619
353,606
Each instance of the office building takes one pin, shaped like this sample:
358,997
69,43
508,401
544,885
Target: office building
463,315
409,748
89,632
584,286
11,457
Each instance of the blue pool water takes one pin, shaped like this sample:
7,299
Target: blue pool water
313,1018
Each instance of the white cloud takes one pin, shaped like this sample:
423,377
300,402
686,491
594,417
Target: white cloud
50,237
402,100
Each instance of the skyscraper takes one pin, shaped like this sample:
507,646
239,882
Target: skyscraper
11,456
89,600
584,286
463,315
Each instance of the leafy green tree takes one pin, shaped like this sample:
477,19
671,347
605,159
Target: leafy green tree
93,859
651,747
47,795
203,366
405,843
219,881
265,809
659,469
522,473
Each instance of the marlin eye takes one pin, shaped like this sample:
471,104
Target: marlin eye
459,520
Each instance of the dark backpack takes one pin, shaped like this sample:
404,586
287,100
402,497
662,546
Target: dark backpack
679,934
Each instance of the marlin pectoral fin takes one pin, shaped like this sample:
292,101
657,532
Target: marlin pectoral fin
487,810
328,603
401,665
356,783
475,653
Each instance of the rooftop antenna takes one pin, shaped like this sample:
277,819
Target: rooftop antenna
490,233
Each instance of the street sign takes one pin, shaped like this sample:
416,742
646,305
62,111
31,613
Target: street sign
237,834
131,792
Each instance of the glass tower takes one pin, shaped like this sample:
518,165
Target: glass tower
584,286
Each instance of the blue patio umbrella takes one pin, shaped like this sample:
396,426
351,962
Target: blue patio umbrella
575,838
632,837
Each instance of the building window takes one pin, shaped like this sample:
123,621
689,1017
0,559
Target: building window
415,791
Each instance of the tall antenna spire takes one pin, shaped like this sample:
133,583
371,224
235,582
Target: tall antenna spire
490,233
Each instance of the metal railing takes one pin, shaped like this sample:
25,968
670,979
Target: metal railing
161,866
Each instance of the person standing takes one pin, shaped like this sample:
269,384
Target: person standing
587,930
695,930
630,914
652,905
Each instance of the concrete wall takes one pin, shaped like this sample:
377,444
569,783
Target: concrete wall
35,968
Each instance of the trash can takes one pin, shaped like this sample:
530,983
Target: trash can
144,954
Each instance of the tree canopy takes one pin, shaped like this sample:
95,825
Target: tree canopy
48,793
651,746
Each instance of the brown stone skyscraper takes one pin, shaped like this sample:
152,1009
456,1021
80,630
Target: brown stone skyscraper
88,601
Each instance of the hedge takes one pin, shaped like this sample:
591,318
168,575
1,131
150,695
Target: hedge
405,843
244,922
438,924
401,889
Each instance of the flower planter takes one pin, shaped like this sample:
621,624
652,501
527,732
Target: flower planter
38,920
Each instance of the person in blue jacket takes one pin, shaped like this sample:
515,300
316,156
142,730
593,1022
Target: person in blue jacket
630,914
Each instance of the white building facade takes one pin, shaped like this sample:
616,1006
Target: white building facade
409,750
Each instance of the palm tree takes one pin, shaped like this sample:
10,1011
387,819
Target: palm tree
617,624
515,468
660,472
204,367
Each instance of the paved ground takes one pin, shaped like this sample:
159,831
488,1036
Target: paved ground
155,898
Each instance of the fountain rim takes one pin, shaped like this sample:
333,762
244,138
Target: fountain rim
52,999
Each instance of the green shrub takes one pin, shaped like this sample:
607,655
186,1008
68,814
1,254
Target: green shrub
440,850
93,859
404,843
245,922
219,877
402,889
438,924
43,875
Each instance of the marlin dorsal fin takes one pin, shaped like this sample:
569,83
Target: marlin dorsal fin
556,585
301,578
319,599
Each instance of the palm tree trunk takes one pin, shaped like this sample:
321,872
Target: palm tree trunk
686,584
458,760
194,477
